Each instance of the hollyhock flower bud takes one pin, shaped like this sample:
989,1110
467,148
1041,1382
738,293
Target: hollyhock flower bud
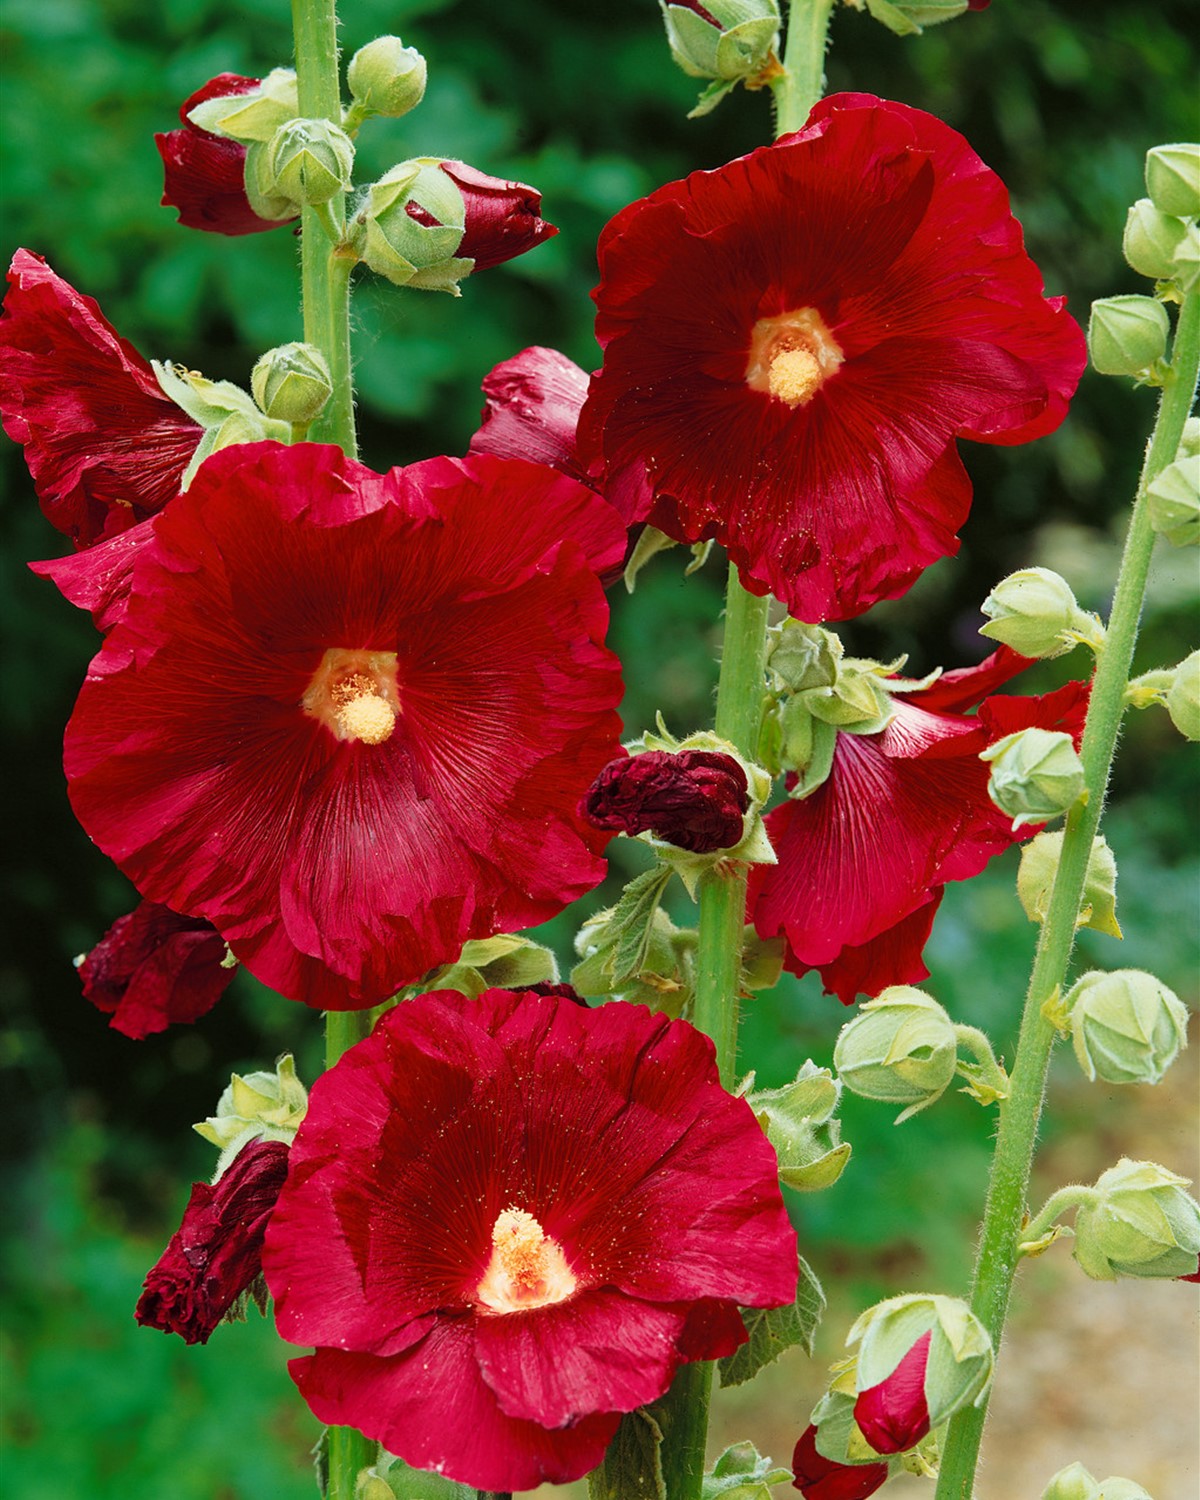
204,165
911,17
216,1253
1137,1221
1036,774
1035,882
1186,273
804,656
386,77
1035,612
721,39
292,383
260,1106
799,1122
1076,1483
154,968
1126,1026
695,799
1173,500
309,161
1183,697
821,1478
1126,335
920,1359
1173,179
1151,239
900,1048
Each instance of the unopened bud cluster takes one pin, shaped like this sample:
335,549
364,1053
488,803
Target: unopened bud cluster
1036,775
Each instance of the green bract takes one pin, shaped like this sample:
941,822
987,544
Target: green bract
1173,500
255,116
309,162
958,1370
798,1120
1035,612
1151,239
260,1106
1173,179
291,383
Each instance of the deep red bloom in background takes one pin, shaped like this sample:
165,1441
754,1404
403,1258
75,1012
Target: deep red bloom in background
347,718
204,174
508,1220
864,859
793,342
153,968
821,1478
216,1252
893,1416
696,799
531,410
503,219
106,448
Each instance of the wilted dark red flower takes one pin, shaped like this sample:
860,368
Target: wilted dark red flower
503,218
821,1478
216,1252
204,174
347,718
106,448
864,859
508,1220
695,799
154,968
893,1415
793,342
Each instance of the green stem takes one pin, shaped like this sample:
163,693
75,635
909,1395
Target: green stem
1020,1114
1055,1204
802,81
325,271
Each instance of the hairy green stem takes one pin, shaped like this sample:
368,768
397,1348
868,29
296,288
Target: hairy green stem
1020,1114
802,81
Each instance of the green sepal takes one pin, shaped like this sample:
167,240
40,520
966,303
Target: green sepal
772,1330
632,1467
711,97
911,20
799,1122
649,544
504,962
741,1473
254,116
391,1476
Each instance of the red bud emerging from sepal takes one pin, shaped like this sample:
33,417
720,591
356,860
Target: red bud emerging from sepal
893,1415
154,968
503,219
695,799
821,1478
216,1252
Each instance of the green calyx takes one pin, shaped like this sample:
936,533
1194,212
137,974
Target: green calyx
408,251
799,1121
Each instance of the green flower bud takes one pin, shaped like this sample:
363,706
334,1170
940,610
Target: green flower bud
906,18
1150,240
261,187
958,1367
261,1106
798,1120
414,249
725,39
805,656
386,77
1035,881
1034,611
1186,273
900,1047
292,383
1138,1221
1173,179
1126,1027
1173,500
251,117
1075,1483
310,161
1036,774
504,962
1126,335
857,701
1183,697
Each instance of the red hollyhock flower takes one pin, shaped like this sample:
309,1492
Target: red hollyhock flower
503,218
531,410
106,448
864,859
204,174
793,342
216,1252
510,1219
821,1478
347,718
696,799
154,968
893,1415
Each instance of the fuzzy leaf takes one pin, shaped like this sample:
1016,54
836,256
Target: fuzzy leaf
741,1473
633,922
632,1467
774,1329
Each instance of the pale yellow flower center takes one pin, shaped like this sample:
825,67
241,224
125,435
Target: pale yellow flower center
527,1269
792,355
353,693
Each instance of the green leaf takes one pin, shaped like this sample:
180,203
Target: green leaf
632,922
632,1467
394,1475
711,97
774,1329
741,1473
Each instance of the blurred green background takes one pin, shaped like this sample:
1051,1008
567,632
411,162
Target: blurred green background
583,101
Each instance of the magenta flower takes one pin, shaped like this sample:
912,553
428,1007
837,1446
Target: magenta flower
204,174
508,1220
215,1254
794,342
106,448
821,1478
893,1416
863,861
695,799
154,968
347,718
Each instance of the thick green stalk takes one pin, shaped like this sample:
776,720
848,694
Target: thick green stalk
1020,1114
324,267
802,81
